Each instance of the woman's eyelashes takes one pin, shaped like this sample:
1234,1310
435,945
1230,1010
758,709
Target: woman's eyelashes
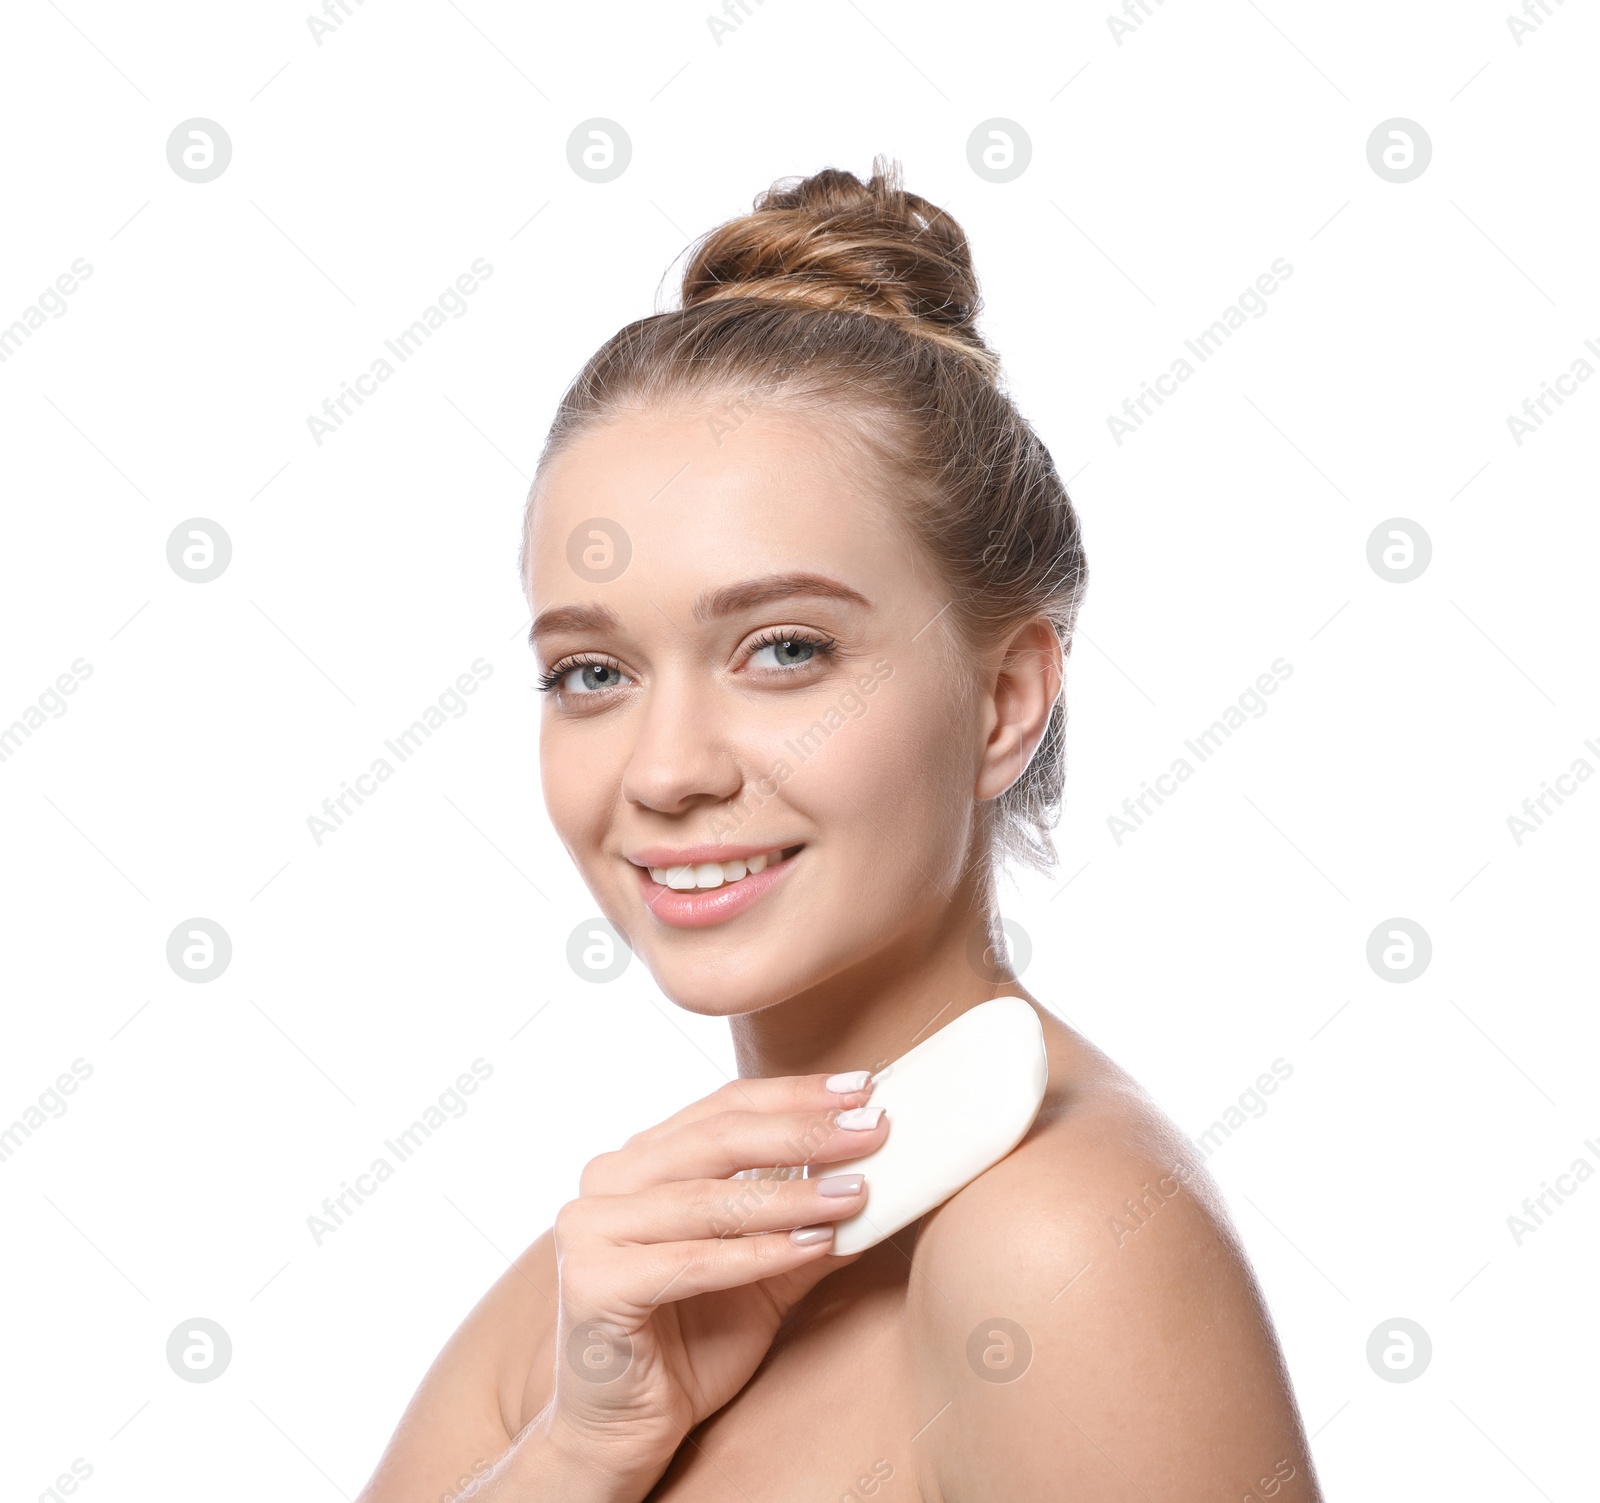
774,655
791,650
582,678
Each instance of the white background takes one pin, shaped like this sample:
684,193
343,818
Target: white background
1168,171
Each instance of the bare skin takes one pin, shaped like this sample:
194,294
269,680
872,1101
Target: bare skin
1079,1321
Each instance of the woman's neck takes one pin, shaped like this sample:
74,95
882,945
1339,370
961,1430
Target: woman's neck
873,1013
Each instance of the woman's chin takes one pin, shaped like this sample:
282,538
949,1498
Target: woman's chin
714,995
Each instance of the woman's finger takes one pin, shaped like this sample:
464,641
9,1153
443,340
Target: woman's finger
710,1208
627,1284
777,1093
724,1144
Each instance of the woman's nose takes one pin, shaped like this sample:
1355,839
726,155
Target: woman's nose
682,754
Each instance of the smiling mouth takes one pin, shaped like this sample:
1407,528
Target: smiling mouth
706,876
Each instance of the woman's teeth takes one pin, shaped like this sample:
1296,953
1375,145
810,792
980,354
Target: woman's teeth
708,874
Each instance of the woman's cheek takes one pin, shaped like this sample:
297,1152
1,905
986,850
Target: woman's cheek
890,773
922,768
578,792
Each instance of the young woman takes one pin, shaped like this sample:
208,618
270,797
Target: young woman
803,582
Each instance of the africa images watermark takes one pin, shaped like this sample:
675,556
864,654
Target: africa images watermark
50,1104
1536,409
731,414
758,1186
734,14
452,301
1137,809
1537,1209
1536,807
68,1483
451,1103
1251,1103
851,705
1134,14
52,301
51,702
1138,1211
337,13
1252,301
337,809
1534,14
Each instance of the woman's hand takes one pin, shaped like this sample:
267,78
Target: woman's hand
674,1277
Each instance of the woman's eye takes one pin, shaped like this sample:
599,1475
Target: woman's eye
589,678
790,652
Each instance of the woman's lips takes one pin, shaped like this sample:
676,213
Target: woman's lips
691,909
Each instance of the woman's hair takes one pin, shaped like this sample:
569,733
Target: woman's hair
855,303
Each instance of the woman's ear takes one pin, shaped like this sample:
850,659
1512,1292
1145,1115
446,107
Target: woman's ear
1019,698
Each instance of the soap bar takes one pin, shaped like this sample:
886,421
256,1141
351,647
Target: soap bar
957,1103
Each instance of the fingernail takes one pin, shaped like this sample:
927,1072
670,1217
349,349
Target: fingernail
851,1080
860,1118
808,1236
840,1184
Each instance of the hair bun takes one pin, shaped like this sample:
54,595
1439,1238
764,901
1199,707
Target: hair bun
831,241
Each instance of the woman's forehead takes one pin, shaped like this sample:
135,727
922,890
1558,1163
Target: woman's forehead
675,497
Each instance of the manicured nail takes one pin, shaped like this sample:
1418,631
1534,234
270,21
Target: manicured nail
851,1080
840,1184
809,1236
860,1118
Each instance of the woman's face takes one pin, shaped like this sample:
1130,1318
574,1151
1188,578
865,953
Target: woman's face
769,682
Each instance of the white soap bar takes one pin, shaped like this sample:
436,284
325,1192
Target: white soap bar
957,1103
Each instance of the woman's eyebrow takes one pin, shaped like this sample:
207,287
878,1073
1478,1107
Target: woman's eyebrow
753,592
710,606
575,618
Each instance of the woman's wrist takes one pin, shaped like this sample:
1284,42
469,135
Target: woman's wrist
548,1460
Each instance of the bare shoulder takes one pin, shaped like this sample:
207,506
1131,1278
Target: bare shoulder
1085,1321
